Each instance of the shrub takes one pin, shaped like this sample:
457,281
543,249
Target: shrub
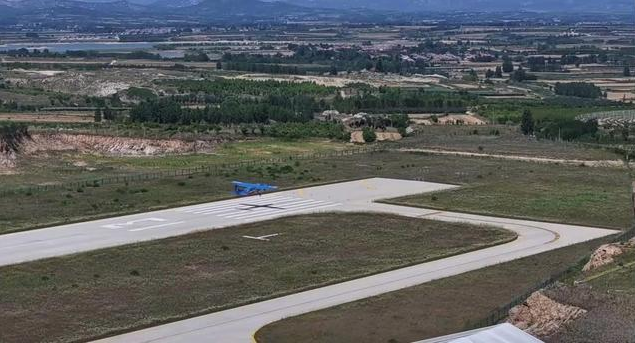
369,135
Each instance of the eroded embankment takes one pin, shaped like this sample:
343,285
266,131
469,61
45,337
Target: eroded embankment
42,143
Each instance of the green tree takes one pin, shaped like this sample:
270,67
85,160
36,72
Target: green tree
527,123
627,71
333,70
499,72
508,66
12,136
471,76
108,114
369,135
379,66
98,115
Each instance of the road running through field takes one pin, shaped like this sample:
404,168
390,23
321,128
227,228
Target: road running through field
238,325
588,163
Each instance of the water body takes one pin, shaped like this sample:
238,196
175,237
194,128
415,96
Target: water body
79,46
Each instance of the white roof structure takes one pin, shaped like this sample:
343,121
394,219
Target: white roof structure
503,333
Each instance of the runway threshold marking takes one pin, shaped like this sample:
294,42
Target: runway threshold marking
132,223
155,226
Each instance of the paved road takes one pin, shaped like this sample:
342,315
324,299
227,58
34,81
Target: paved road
73,238
238,325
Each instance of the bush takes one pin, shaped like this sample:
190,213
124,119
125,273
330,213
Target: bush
12,136
369,135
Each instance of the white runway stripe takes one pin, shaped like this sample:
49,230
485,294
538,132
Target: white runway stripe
246,205
288,211
273,211
229,203
250,208
265,209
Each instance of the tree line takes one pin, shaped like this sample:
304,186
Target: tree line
578,89
230,111
398,100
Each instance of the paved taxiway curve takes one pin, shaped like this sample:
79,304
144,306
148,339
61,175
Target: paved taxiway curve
237,325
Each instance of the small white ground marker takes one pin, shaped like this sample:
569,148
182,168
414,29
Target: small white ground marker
262,238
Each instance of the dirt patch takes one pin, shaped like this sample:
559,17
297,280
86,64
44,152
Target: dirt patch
7,163
44,117
541,316
119,146
388,136
358,137
609,319
585,163
606,254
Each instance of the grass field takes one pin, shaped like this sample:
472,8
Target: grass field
71,166
504,140
577,195
572,194
90,294
433,309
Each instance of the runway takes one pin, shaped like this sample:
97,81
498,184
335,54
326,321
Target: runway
87,236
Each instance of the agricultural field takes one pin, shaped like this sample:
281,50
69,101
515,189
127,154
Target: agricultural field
107,291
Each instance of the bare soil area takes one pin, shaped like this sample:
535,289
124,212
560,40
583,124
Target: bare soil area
118,146
587,163
42,144
609,319
48,117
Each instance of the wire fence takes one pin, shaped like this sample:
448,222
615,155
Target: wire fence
625,115
211,169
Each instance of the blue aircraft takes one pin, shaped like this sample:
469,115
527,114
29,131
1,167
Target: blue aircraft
245,189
